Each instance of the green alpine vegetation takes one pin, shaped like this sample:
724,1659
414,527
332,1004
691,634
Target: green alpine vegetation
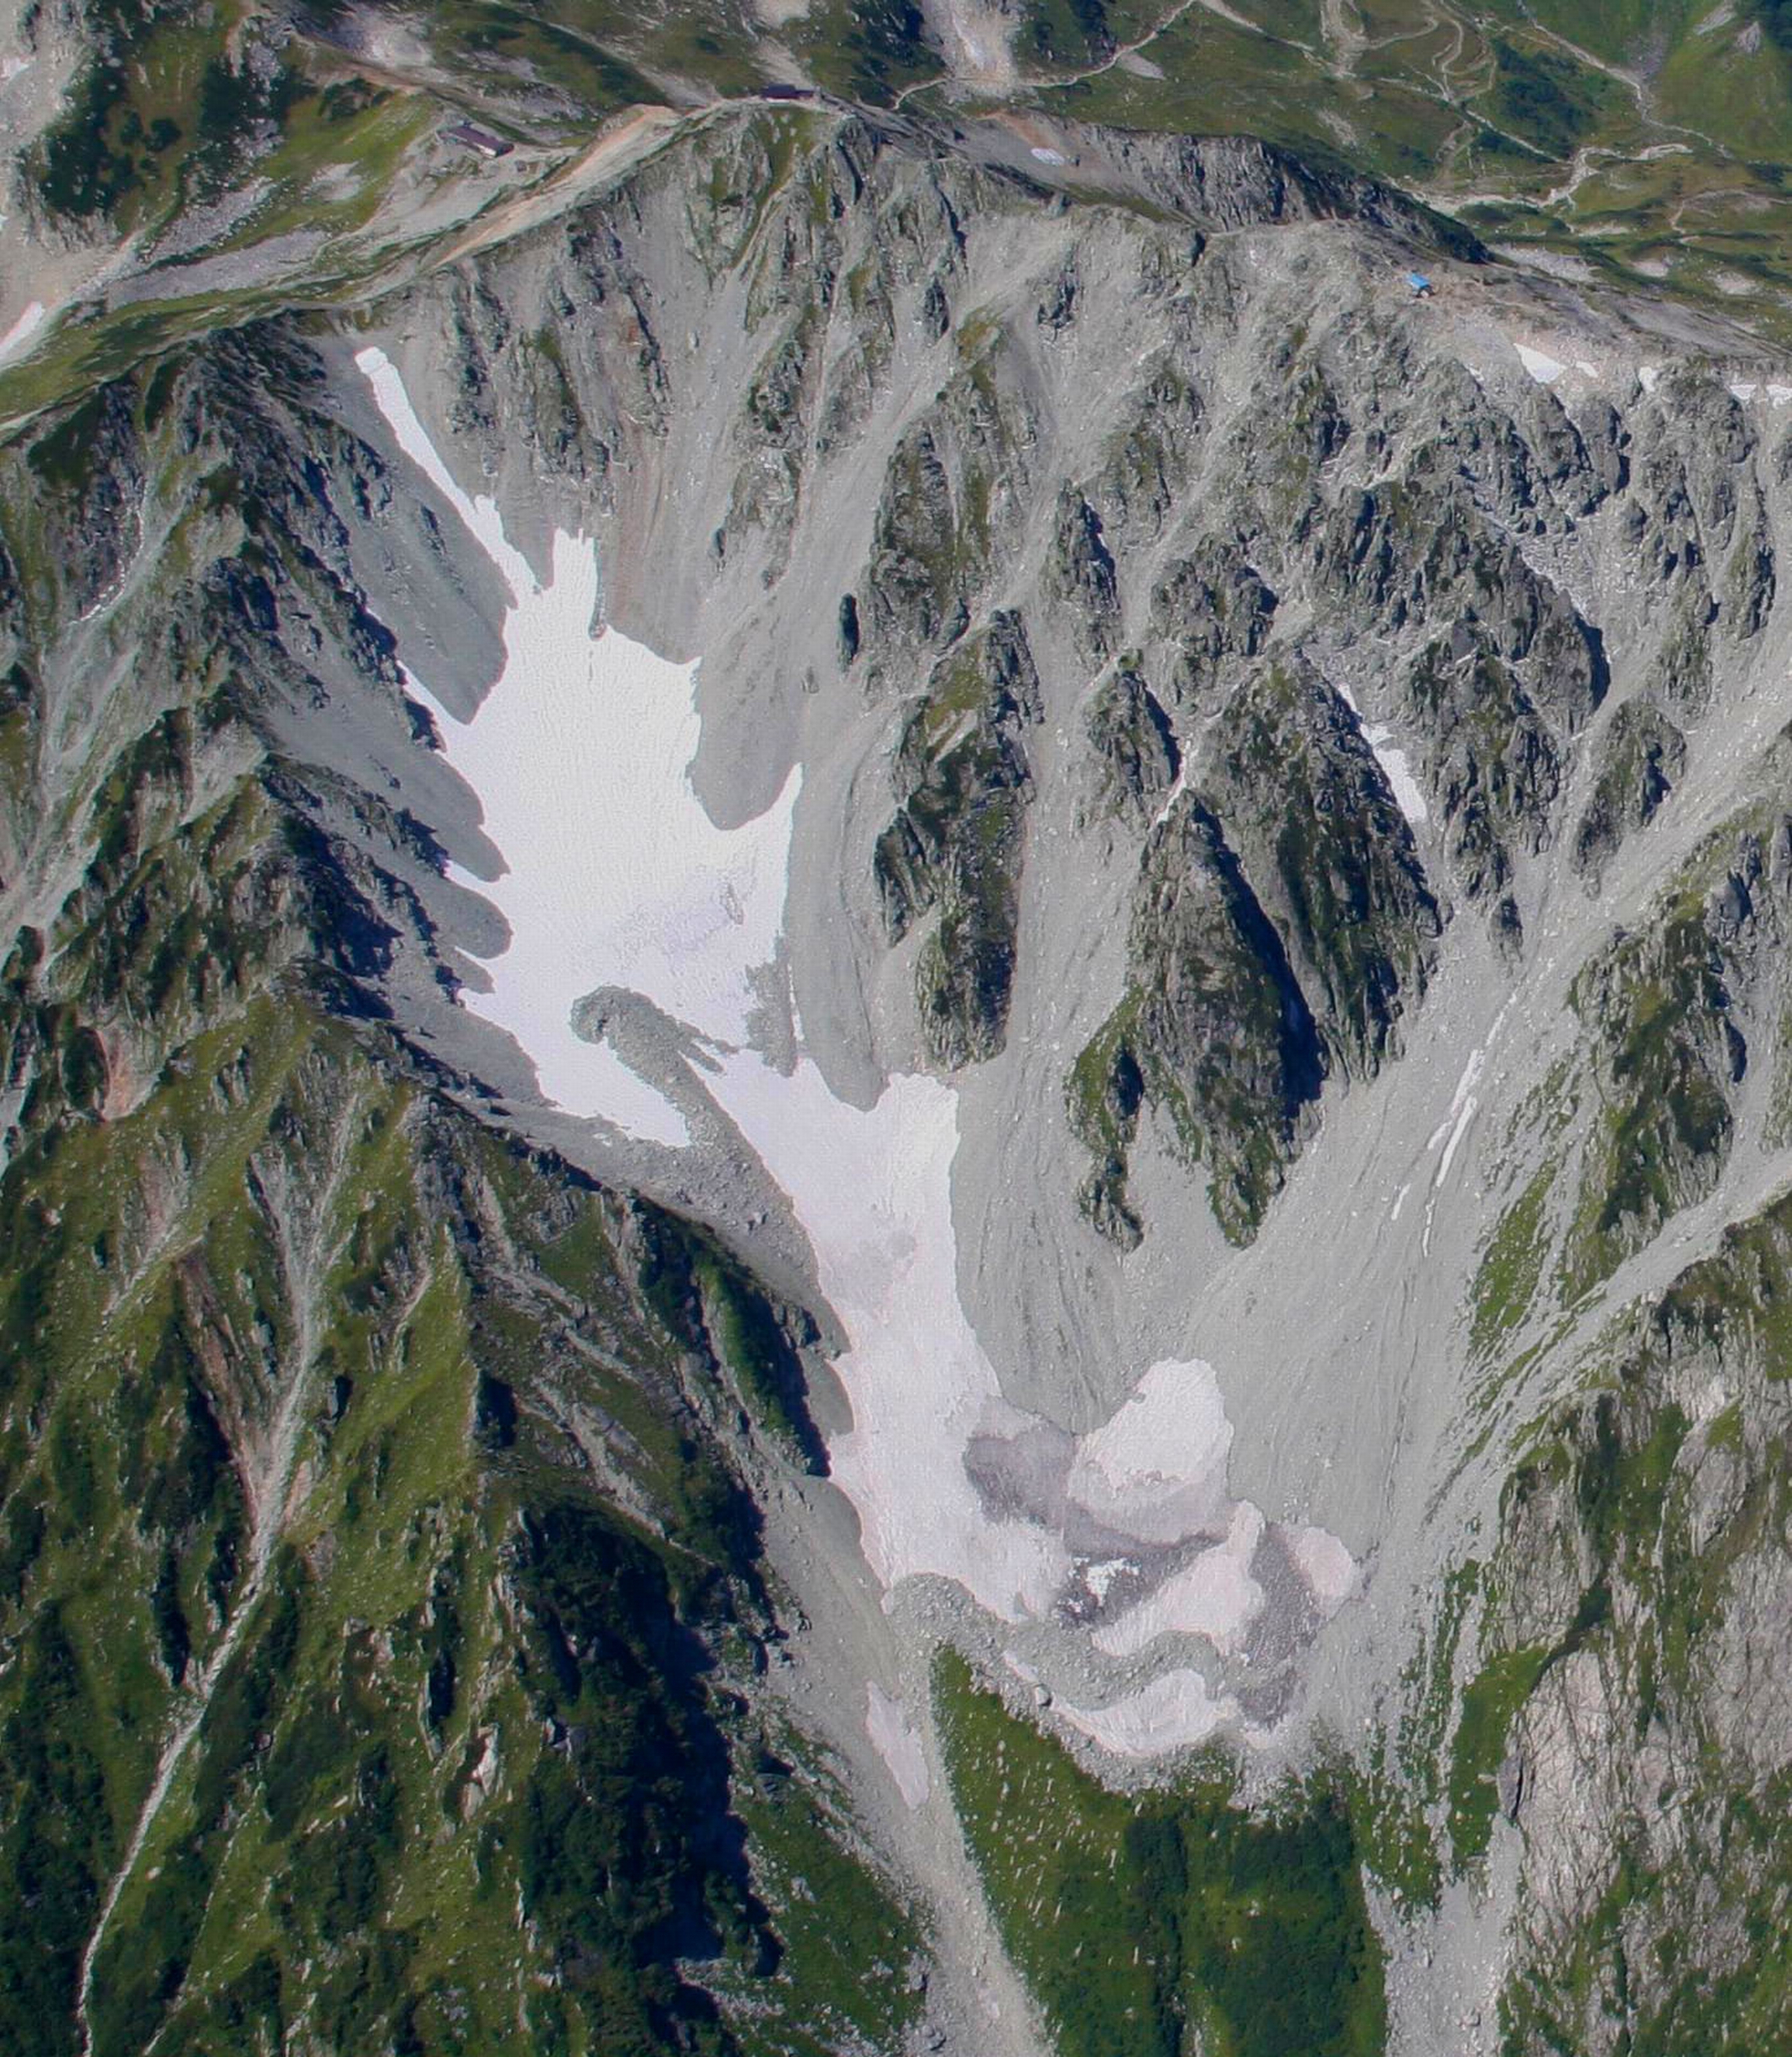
1143,1919
304,1485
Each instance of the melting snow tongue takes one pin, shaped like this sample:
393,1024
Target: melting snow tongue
612,874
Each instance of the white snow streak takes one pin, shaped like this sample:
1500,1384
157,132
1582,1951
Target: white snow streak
1471,1075
1178,786
1456,1135
1545,370
481,515
1463,1106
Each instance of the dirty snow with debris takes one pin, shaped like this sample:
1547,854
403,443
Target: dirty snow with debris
1214,1597
1176,1709
897,1742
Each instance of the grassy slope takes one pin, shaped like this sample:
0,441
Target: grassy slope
1141,1920
448,1592
473,1768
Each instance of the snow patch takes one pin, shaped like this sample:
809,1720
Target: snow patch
1174,1712
1214,1596
1647,376
1048,156
611,873
1156,1467
1545,370
597,889
1328,1567
1395,766
898,1743
1100,1577
1744,389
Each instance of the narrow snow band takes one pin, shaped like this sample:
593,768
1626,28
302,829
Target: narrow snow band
1395,766
481,515
1398,767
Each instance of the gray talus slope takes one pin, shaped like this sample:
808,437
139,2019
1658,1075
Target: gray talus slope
1238,712
1218,490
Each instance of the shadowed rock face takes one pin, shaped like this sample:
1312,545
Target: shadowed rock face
1308,797
955,848
1221,1034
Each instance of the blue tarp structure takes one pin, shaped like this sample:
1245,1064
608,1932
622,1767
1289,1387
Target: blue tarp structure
1418,282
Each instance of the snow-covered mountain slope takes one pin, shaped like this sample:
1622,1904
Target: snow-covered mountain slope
1159,870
